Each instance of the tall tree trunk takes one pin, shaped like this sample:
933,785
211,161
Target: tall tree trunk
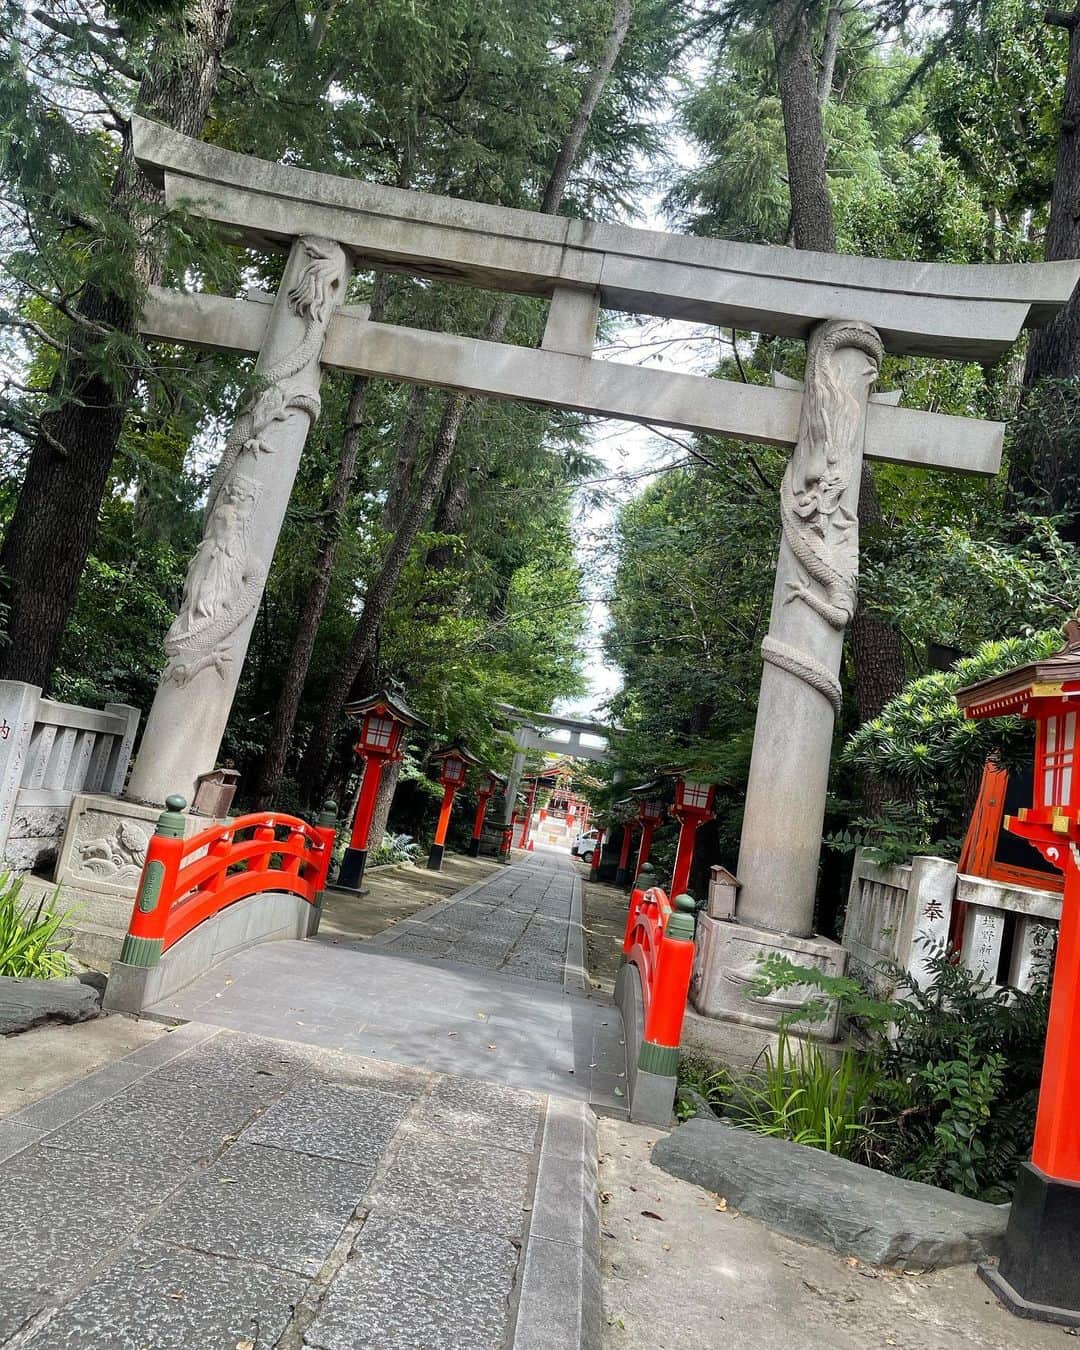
377,601
55,518
384,800
1043,464
804,136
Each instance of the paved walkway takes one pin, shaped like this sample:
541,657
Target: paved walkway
382,1144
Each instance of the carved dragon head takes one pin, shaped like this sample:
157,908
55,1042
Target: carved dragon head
318,288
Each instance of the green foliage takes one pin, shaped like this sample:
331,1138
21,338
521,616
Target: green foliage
929,756
700,1081
798,1095
394,848
956,1069
30,934
895,836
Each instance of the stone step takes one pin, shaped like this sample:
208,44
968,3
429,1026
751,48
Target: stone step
97,946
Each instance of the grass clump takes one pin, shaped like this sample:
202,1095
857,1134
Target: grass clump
30,934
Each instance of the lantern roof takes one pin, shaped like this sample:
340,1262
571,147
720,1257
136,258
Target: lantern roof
1013,691
388,702
695,773
655,787
499,778
454,751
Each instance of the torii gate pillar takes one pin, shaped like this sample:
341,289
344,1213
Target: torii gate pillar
206,645
814,599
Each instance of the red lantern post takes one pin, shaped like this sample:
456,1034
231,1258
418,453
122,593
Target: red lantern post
649,797
384,720
526,825
493,784
1038,1275
453,764
693,806
622,872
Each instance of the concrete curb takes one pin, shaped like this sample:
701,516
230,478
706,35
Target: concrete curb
559,1300
575,978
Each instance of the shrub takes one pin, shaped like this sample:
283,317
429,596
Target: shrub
928,757
395,848
29,934
700,1080
798,1095
957,1067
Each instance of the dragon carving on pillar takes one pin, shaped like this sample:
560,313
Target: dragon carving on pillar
820,488
226,577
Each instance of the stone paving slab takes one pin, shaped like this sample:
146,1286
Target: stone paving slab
178,1123
175,1300
330,1120
284,1209
418,1286
63,1212
457,1183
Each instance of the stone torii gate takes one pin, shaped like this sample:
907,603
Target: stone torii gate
851,311
533,731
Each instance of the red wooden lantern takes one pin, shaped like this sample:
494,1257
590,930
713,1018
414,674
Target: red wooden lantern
384,719
494,784
453,764
1038,1275
651,812
694,799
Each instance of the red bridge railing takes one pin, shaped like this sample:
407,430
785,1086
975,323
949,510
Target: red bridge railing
186,881
659,941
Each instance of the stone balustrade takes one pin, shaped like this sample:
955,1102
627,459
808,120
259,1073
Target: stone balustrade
898,914
49,753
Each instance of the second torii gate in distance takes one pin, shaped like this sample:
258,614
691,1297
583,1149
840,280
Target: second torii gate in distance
850,310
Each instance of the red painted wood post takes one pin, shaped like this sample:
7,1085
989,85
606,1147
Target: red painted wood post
645,848
297,838
482,800
684,853
526,841
264,833
435,857
508,835
145,938
671,986
622,874
1057,1124
598,853
351,872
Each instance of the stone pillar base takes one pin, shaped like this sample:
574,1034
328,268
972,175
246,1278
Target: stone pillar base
726,963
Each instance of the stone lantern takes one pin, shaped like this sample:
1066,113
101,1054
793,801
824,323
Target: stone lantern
1039,1274
493,784
453,764
384,719
694,802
